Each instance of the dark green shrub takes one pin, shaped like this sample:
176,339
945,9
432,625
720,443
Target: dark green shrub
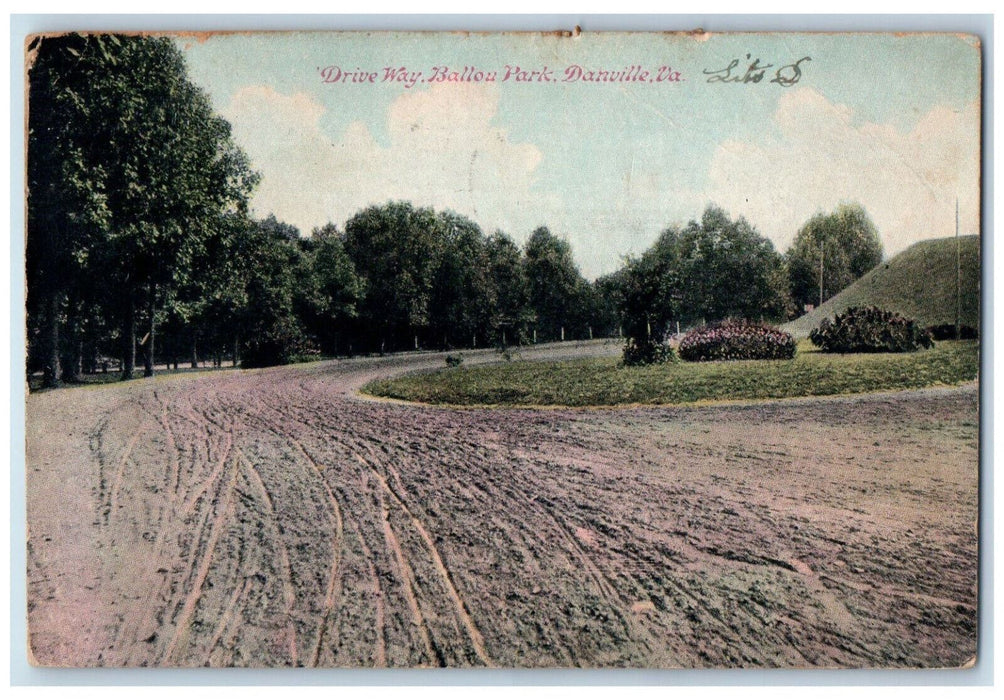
737,340
646,352
454,360
870,329
946,331
279,343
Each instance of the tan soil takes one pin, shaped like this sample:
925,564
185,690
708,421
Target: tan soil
276,518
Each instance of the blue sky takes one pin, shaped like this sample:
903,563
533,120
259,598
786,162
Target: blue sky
891,122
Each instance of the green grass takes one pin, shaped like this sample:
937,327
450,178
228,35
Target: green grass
603,382
919,283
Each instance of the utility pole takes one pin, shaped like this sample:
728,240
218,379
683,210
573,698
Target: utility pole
958,275
820,273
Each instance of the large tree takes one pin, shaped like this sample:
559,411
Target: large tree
332,292
512,315
609,293
394,248
68,212
278,281
842,245
728,269
556,286
463,295
130,171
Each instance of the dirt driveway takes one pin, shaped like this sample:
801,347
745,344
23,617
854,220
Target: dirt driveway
274,518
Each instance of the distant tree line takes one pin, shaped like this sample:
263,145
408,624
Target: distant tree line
141,247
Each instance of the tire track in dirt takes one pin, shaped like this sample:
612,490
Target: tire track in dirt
229,613
192,598
408,576
404,564
477,642
289,594
269,518
380,647
113,494
334,581
173,478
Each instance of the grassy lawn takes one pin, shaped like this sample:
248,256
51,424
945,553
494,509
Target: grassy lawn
603,382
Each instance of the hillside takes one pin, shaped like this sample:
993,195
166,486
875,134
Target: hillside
918,283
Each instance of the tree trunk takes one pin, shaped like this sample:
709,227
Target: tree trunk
51,373
149,359
237,344
73,362
129,340
70,364
195,354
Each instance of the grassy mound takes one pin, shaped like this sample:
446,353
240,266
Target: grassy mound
603,382
919,283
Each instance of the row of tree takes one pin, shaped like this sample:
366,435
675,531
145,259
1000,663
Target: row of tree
140,237
133,186
719,268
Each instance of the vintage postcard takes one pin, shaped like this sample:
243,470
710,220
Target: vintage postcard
510,350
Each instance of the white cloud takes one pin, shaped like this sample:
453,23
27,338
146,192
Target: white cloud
444,151
821,156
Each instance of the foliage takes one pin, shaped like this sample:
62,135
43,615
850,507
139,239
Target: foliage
394,248
454,360
129,170
462,296
437,279
275,334
279,342
728,270
869,329
512,316
649,294
604,382
609,291
649,352
849,245
709,270
946,331
558,293
737,340
330,290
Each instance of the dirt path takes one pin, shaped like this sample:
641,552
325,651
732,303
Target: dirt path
274,518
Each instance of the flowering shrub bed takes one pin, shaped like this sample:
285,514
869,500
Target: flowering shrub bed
737,340
647,352
870,329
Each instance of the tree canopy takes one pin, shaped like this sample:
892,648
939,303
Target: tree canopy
844,243
557,289
129,172
708,270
